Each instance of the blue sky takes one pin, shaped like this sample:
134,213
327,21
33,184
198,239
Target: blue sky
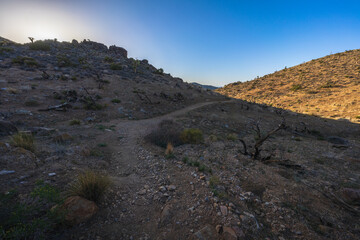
210,42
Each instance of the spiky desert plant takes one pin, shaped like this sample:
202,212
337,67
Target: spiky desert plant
90,185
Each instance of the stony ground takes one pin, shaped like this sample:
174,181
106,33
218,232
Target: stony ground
303,186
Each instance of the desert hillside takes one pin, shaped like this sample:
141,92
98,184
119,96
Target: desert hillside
96,145
328,87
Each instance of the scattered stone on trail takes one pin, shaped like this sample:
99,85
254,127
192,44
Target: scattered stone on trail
7,128
78,209
229,233
172,188
165,216
207,233
224,210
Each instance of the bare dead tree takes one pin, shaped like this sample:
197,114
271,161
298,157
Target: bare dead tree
260,139
31,39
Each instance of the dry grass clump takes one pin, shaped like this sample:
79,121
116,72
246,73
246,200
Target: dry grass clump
24,140
167,132
90,185
192,135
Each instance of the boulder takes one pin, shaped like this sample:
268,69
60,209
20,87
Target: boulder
118,51
352,195
229,233
7,128
78,209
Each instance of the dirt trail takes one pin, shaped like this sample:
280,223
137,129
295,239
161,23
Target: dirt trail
133,131
130,173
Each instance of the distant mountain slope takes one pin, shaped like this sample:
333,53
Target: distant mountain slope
328,87
204,86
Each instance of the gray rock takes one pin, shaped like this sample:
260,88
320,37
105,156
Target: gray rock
338,140
7,128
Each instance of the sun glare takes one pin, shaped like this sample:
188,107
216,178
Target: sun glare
40,22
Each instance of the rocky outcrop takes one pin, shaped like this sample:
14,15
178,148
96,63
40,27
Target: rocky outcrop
118,51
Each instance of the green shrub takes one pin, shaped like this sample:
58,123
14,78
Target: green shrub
357,117
232,137
214,181
159,71
39,45
31,103
108,59
6,50
64,61
167,132
116,66
74,122
33,219
192,136
115,100
28,61
296,87
90,185
24,140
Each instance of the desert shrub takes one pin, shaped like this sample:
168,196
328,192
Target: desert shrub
213,138
6,50
24,140
90,185
232,137
64,61
167,132
74,122
39,45
115,66
32,219
169,152
115,100
296,87
159,71
192,135
31,103
328,85
357,117
28,61
108,59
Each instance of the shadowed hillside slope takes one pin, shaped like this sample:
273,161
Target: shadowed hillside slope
327,87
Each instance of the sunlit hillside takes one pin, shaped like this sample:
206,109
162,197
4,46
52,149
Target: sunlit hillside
327,87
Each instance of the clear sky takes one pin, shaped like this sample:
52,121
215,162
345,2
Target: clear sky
210,42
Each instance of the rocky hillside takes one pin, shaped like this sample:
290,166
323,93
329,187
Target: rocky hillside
88,80
328,87
94,145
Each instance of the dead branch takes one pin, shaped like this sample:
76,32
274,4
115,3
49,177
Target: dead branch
61,107
260,140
